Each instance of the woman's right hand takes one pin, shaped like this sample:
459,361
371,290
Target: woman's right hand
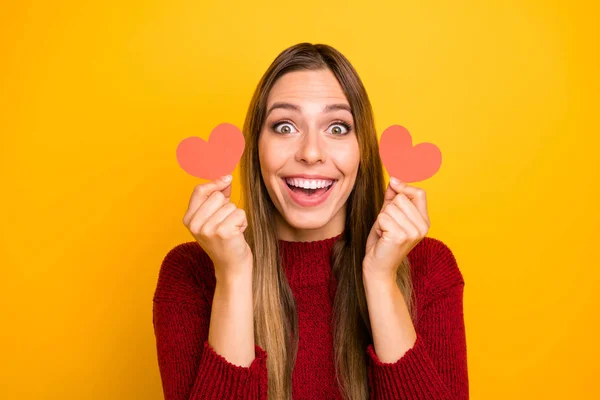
218,226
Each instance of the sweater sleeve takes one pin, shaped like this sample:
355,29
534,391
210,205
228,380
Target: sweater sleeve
188,365
435,368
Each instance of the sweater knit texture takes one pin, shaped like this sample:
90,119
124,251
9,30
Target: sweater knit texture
434,368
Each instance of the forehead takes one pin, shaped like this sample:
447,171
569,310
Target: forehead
319,86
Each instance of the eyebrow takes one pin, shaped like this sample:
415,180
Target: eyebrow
293,107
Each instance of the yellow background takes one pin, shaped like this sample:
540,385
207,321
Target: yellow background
95,97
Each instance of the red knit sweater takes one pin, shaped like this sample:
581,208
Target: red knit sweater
434,368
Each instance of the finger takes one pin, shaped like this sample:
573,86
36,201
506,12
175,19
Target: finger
391,230
202,192
215,201
416,195
227,191
233,224
390,193
217,217
377,228
394,187
411,212
404,223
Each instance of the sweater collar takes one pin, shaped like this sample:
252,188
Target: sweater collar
307,263
312,246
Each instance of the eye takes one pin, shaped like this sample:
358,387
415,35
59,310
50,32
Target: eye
336,131
286,127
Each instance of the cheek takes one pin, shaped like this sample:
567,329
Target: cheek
264,153
269,156
347,158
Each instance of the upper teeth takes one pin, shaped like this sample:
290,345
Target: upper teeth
308,183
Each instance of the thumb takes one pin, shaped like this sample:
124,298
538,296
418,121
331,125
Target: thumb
225,185
390,193
227,191
395,186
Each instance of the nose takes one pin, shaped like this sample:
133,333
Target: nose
311,148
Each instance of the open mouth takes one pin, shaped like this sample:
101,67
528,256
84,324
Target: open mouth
310,192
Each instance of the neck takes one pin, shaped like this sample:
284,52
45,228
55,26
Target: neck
289,233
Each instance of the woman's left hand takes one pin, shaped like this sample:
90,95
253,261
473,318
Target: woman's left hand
402,223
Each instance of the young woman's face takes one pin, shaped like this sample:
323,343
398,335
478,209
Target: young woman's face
308,140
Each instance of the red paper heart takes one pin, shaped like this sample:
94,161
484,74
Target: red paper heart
215,158
405,162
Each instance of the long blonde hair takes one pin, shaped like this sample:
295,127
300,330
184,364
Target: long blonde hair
275,316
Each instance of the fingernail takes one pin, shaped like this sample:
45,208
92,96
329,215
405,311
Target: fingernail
227,178
394,181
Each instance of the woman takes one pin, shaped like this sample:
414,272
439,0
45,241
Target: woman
308,291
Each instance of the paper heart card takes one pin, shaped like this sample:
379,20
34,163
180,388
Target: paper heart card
213,158
220,154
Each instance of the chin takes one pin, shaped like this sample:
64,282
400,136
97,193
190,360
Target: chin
307,222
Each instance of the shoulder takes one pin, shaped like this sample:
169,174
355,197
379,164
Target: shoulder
434,263
186,274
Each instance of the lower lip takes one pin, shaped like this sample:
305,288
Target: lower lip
308,201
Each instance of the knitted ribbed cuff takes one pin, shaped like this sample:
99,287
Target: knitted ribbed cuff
412,377
220,379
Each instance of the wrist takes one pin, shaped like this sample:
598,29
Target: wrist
234,277
379,280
